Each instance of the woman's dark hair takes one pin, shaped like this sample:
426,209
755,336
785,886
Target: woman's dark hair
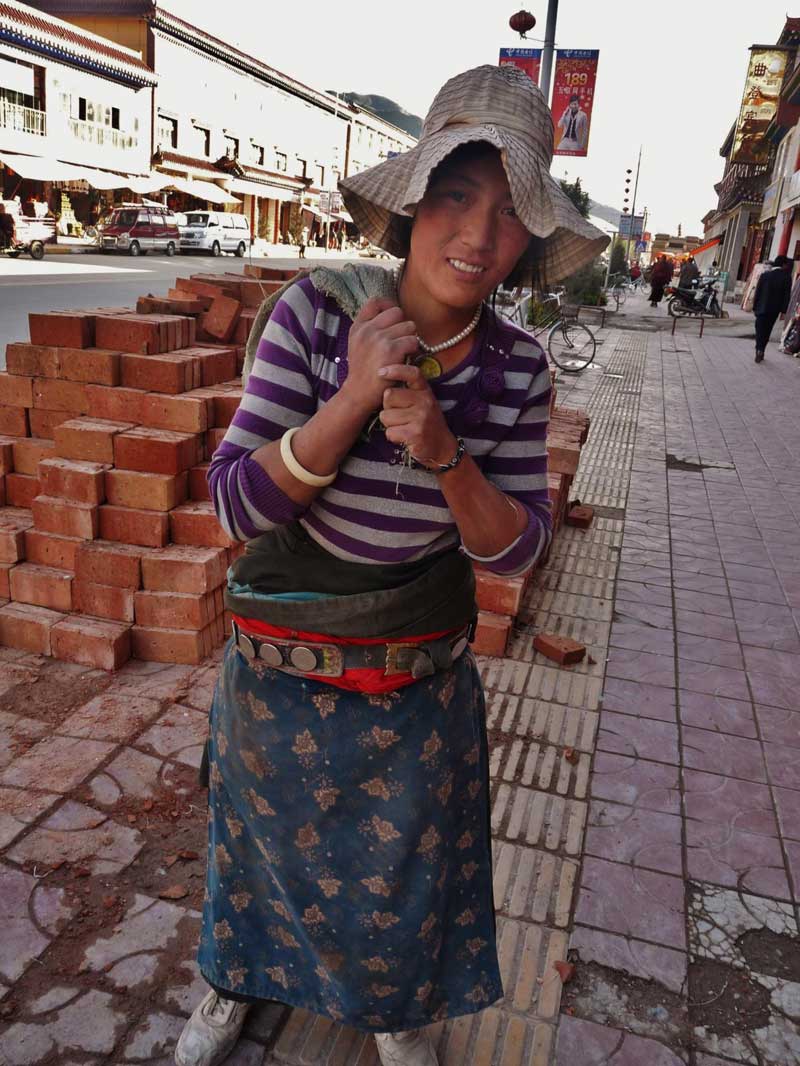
530,269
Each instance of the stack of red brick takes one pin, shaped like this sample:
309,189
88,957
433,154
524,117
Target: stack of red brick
109,545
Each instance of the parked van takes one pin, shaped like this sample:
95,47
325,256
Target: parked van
215,232
138,230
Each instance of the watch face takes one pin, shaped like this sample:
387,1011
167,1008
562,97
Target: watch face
430,367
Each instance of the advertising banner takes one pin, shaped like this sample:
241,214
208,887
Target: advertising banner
527,59
759,103
573,97
631,227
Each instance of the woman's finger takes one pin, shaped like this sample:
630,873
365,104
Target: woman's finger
410,375
400,399
374,307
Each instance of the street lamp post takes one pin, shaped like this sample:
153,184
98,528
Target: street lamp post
549,48
633,209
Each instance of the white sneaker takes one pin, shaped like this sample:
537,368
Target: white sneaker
414,1048
211,1032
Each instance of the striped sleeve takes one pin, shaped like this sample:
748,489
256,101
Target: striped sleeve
518,467
280,394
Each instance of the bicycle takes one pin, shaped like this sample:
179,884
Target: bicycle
571,345
617,289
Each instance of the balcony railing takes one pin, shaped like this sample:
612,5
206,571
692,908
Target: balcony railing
22,119
743,183
90,133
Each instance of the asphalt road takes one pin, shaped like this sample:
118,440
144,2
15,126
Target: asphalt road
70,282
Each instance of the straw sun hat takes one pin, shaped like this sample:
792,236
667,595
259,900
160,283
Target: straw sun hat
500,105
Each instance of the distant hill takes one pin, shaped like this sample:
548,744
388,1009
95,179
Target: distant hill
386,109
608,214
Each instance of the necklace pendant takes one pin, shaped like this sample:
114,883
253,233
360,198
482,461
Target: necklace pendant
430,366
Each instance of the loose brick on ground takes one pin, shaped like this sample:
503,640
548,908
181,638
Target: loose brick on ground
157,451
197,523
50,549
103,601
580,515
91,439
562,650
27,627
184,569
129,525
14,421
42,585
105,645
147,492
103,562
62,329
21,490
68,518
15,390
73,479
28,453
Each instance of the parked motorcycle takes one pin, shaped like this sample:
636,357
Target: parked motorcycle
701,299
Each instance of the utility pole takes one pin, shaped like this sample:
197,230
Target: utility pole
549,48
633,209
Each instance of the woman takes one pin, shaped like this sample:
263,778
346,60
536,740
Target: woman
660,275
372,457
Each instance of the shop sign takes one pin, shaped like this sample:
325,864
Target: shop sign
573,99
772,198
762,90
527,59
630,227
330,201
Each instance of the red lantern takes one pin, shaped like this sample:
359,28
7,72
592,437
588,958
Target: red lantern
522,22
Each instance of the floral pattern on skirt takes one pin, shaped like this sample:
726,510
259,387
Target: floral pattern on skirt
349,862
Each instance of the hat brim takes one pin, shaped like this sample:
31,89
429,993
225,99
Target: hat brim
380,197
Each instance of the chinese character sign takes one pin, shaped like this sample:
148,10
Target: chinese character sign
759,104
527,59
573,97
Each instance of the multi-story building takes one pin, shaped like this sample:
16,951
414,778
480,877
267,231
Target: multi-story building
229,120
74,108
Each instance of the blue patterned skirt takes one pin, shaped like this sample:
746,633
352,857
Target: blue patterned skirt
349,853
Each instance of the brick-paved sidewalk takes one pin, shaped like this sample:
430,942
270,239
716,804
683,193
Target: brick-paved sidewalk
664,854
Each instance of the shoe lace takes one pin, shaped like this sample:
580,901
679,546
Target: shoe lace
220,1007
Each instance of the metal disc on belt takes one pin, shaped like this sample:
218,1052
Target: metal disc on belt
303,659
270,654
459,648
246,645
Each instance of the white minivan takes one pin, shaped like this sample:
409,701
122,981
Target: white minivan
215,232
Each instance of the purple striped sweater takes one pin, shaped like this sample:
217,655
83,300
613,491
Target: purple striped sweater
378,511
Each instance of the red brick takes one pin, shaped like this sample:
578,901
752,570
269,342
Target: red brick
198,482
13,523
15,391
196,523
498,594
194,298
69,364
131,333
184,569
580,516
14,421
67,518
182,414
91,439
92,642
175,610
198,287
216,364
105,563
28,451
63,329
52,394
171,373
491,634
213,439
44,423
129,525
225,407
256,270
170,645
21,490
157,451
235,552
147,492
562,650
219,321
44,586
5,584
73,479
169,305
7,454
115,405
27,627
103,601
49,549
563,458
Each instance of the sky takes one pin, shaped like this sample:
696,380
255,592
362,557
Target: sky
670,76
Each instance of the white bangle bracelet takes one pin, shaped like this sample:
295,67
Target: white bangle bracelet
296,470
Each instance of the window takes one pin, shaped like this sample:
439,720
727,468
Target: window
167,132
82,108
320,175
258,154
157,219
227,221
232,147
302,166
281,162
201,141
115,118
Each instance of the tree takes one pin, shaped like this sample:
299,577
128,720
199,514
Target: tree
618,264
574,191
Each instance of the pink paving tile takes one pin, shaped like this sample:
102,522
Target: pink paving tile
637,592
706,625
689,549
638,637
639,837
779,726
702,603
643,738
772,690
702,583
720,753
767,625
705,711
648,556
767,661
783,765
793,860
636,782
632,902
728,801
762,574
644,542
725,856
648,614
715,680
697,564
707,649
647,575
641,666
747,552
648,961
787,804
635,697
760,591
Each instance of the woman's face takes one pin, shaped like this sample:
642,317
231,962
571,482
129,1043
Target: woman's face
466,237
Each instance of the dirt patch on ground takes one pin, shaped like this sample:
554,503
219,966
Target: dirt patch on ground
773,954
54,694
726,1000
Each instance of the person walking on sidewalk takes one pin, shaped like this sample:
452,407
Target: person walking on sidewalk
371,459
772,299
659,276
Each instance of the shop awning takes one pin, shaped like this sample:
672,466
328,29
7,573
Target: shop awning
203,190
267,192
40,168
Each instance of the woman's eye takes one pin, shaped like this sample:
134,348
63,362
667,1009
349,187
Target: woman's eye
457,195
510,211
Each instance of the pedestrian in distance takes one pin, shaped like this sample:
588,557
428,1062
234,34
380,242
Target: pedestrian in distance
7,227
689,273
303,242
772,299
660,275
349,859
